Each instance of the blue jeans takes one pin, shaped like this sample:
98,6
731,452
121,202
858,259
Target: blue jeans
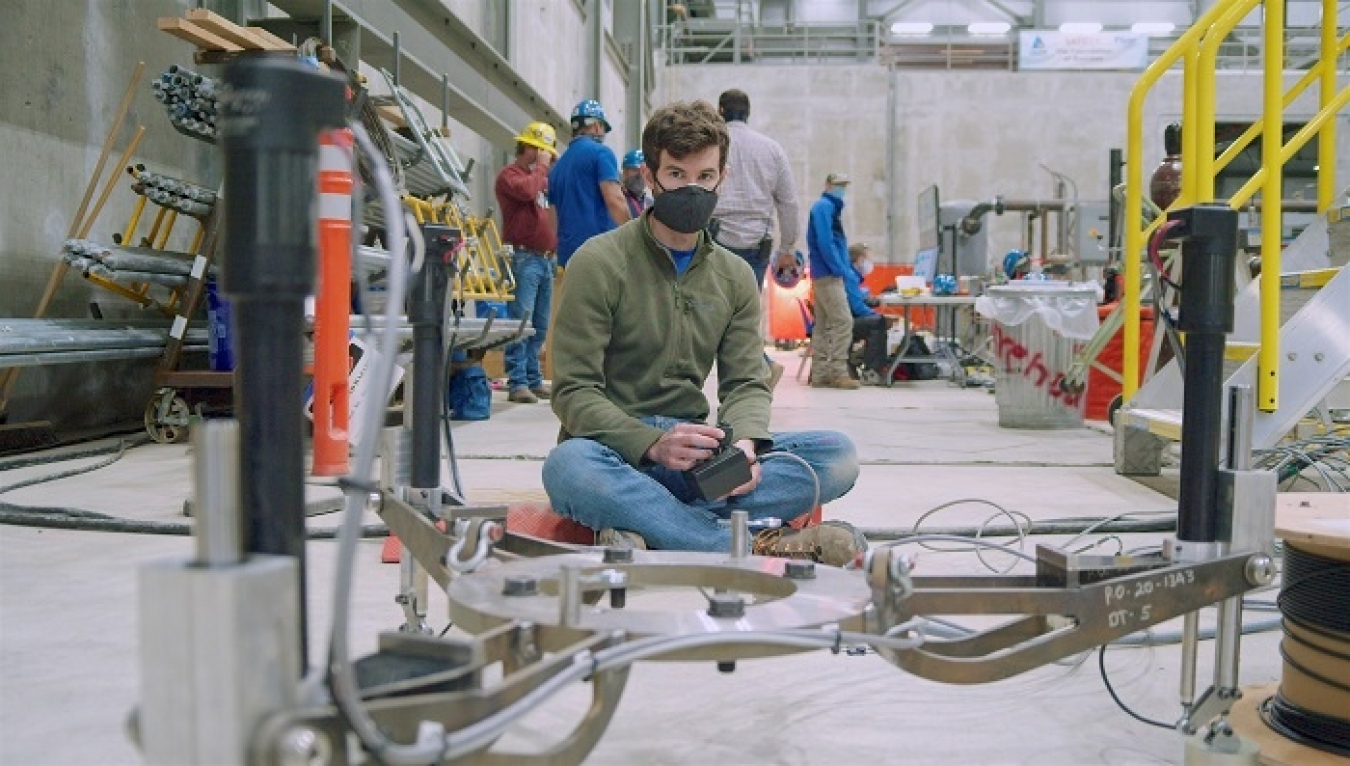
594,486
534,293
761,266
751,256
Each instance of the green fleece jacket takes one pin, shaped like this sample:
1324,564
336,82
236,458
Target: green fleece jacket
631,339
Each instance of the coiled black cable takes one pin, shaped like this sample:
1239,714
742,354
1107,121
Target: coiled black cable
1315,599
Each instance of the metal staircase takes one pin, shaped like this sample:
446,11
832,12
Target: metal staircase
1314,359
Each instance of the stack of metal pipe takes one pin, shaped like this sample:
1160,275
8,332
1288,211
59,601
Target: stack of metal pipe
190,100
38,342
128,264
173,193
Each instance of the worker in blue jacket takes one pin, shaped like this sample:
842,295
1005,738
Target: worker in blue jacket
828,246
868,325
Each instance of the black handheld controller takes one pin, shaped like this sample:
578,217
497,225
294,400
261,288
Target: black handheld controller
727,469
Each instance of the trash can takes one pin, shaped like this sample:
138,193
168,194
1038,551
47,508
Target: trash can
1037,331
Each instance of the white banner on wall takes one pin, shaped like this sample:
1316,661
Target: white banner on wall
1098,50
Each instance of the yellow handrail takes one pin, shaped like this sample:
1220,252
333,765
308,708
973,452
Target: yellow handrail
1268,358
1296,142
1326,141
1134,168
1198,49
1203,122
1318,71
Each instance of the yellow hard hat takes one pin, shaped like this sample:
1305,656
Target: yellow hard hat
541,136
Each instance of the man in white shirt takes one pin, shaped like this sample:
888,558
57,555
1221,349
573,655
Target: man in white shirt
758,183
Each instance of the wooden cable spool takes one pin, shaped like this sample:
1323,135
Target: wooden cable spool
1305,720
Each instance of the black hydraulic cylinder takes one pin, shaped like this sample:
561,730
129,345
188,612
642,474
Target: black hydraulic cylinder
426,312
271,112
1208,255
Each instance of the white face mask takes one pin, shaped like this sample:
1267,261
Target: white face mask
865,267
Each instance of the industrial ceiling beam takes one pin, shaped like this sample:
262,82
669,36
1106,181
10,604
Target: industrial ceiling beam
1017,19
885,16
486,94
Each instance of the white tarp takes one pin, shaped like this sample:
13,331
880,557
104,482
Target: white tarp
1066,308
1051,50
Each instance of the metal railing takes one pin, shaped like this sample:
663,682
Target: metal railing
742,41
1198,49
702,41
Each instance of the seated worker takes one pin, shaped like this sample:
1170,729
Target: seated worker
868,326
645,312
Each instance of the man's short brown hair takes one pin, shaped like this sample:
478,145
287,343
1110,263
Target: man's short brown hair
681,129
734,104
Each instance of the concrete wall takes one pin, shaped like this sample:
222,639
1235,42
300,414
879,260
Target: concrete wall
974,134
66,72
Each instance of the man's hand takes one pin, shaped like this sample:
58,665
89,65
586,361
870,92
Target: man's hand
785,260
748,447
685,445
542,160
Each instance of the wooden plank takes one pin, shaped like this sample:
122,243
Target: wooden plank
393,114
223,27
187,30
278,44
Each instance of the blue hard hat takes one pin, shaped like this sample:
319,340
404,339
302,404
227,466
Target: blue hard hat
944,284
1015,264
790,277
590,109
634,159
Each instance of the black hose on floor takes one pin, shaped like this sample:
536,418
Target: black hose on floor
90,521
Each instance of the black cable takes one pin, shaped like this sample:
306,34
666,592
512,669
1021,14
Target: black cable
1101,665
1315,730
1315,597
451,459
92,521
25,461
1316,590
118,451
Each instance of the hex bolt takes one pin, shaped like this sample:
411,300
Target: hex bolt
799,570
520,585
1319,356
728,666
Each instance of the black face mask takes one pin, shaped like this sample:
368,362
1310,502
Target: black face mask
686,209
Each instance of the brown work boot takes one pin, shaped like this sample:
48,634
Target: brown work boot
834,543
522,396
543,391
839,381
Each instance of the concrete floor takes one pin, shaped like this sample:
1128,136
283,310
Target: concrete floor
69,675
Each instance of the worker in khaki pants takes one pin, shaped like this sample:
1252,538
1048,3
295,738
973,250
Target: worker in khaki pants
833,333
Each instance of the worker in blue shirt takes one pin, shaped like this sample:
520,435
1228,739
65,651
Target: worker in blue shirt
868,325
583,186
828,246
